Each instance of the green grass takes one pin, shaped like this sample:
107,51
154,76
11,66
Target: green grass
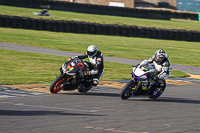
177,74
180,52
25,68
64,15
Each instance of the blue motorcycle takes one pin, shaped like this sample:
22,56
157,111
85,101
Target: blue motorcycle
142,82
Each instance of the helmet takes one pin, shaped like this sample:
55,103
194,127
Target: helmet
160,55
92,51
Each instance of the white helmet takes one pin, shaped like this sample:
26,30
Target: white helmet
160,55
92,51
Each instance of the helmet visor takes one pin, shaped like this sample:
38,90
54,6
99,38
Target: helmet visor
160,57
90,53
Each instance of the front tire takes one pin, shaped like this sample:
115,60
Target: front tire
126,91
57,84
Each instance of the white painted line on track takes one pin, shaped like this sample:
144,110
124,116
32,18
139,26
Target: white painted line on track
47,107
111,129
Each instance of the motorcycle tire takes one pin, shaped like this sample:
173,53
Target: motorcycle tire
155,96
56,85
126,91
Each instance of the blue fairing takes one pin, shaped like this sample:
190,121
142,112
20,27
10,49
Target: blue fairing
132,73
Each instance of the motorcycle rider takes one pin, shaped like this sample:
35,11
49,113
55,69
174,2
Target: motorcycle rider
96,64
161,62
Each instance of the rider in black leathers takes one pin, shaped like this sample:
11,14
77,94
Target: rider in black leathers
96,64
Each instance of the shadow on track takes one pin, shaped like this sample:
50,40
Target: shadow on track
168,100
35,113
94,94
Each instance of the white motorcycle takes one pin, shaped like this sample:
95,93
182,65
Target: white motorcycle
142,82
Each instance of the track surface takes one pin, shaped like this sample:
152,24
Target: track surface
101,110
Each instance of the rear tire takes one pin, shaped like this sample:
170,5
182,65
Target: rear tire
155,94
126,91
56,85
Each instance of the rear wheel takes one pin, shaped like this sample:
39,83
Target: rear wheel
57,84
158,89
126,91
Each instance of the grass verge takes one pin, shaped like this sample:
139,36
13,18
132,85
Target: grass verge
26,68
180,52
64,15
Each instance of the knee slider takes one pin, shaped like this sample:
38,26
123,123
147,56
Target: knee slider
95,81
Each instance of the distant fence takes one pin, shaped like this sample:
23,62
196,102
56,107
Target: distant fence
185,15
100,9
95,28
89,8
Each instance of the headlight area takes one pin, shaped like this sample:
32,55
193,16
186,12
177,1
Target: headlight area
64,68
67,71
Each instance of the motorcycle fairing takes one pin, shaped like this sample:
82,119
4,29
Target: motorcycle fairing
72,66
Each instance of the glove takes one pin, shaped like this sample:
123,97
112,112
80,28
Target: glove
155,78
72,57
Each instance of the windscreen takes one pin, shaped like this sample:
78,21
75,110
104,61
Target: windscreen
146,66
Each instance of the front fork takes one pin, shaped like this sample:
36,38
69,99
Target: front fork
61,71
66,82
135,86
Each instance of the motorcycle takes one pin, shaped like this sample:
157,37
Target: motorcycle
142,82
72,77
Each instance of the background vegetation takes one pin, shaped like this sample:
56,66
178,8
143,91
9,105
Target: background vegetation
106,19
180,52
24,68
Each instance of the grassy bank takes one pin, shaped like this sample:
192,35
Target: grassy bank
64,15
25,68
180,52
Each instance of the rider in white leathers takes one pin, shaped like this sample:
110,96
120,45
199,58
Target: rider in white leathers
162,64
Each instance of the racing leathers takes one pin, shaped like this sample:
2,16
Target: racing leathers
96,66
162,67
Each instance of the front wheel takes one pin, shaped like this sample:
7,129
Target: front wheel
126,91
57,84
